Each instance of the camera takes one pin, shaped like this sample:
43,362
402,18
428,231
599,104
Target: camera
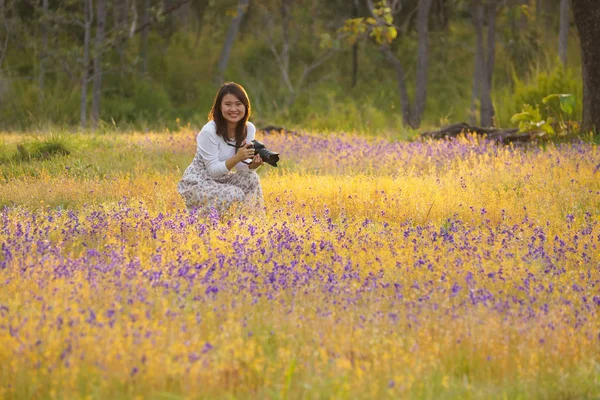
268,156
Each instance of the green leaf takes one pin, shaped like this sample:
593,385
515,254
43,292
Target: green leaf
550,97
548,129
522,116
567,103
391,34
326,41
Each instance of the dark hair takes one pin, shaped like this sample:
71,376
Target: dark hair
217,115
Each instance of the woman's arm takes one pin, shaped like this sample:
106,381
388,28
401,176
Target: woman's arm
236,160
208,148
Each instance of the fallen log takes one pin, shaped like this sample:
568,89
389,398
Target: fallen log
502,135
276,129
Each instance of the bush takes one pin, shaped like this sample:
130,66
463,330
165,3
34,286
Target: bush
38,150
559,80
149,102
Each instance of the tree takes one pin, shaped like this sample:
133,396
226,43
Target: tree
121,23
587,20
283,45
234,27
383,29
563,33
355,4
145,29
483,13
44,51
477,13
98,52
7,26
87,28
422,60
487,107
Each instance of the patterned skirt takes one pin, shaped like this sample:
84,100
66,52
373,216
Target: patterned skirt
201,191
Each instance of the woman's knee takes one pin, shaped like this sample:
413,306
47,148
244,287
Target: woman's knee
251,178
233,194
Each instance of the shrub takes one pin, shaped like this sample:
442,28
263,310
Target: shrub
39,150
510,101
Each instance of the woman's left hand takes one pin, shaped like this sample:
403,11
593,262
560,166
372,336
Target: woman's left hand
256,162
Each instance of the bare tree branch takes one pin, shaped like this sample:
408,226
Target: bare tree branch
5,45
269,38
162,14
308,70
8,30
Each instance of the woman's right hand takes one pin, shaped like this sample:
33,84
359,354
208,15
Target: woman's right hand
245,152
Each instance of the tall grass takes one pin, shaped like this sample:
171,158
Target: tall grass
383,269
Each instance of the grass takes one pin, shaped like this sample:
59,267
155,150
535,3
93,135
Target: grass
383,269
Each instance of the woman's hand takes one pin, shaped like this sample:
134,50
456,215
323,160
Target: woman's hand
245,152
256,162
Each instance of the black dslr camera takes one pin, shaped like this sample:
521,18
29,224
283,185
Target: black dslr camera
267,155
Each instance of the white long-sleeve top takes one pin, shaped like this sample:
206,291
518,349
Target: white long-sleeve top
215,151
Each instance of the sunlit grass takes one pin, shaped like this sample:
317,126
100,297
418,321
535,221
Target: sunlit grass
455,269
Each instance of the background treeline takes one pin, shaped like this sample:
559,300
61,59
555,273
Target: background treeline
329,65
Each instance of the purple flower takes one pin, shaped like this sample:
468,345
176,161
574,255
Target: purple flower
207,347
455,289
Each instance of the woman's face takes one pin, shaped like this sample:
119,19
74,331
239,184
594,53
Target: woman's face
232,108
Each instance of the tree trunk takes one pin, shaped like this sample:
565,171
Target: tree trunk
543,11
169,23
587,20
355,47
98,50
44,51
478,73
283,57
200,9
487,107
401,81
285,46
563,33
422,61
7,32
144,37
121,10
407,110
230,40
87,15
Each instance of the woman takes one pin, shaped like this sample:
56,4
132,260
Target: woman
224,143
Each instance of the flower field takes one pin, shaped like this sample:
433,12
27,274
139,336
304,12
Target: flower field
452,269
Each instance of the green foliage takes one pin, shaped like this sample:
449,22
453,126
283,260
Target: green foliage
37,149
149,101
522,46
558,109
325,110
534,90
379,29
86,155
181,62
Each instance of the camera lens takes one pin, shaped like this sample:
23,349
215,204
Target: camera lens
265,154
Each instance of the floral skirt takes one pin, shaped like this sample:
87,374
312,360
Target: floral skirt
201,191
